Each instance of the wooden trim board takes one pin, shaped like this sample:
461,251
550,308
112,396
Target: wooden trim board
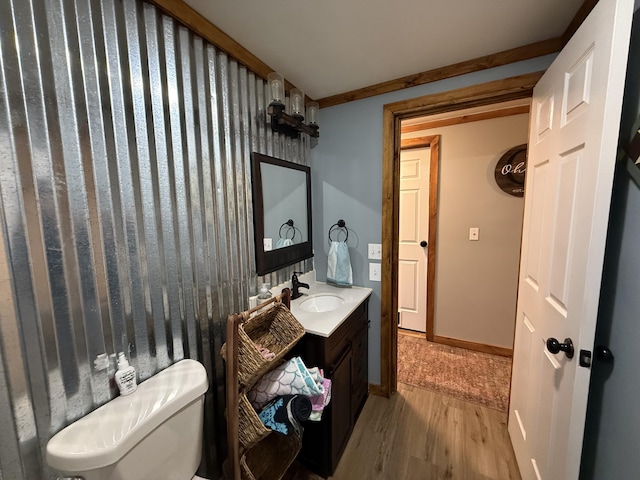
375,389
454,342
459,120
477,347
505,57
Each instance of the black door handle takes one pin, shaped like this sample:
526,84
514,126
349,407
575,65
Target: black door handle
423,243
554,346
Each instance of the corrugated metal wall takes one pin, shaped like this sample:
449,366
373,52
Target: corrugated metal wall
125,209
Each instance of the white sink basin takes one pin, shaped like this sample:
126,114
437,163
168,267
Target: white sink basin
322,302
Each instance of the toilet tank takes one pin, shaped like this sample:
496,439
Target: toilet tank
153,433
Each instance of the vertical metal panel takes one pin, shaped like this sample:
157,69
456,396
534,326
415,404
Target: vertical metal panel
125,209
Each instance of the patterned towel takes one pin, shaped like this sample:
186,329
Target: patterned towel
284,414
290,378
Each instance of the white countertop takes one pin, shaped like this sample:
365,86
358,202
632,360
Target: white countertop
324,323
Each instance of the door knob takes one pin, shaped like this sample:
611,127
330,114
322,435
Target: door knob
603,354
423,243
554,346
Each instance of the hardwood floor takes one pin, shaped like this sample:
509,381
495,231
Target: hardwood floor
419,434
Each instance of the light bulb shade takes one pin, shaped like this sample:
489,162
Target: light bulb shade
276,88
296,102
313,111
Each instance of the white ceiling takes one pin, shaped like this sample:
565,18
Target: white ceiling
327,47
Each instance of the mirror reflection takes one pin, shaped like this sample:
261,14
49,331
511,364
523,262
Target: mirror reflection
281,212
284,195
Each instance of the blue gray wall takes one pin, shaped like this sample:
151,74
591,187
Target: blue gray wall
612,434
346,171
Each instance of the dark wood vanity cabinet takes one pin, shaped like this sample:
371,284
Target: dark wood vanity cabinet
344,357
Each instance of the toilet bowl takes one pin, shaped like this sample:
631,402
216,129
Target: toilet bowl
153,433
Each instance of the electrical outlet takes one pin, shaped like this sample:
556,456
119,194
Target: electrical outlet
268,244
474,233
375,272
375,251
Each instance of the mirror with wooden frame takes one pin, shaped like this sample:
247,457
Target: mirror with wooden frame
281,212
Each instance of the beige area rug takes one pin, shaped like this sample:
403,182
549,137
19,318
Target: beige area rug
476,377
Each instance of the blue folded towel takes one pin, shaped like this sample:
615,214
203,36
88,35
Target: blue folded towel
339,265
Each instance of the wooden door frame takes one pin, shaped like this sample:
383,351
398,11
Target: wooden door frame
433,143
498,91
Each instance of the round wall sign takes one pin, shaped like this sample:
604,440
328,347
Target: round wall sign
510,171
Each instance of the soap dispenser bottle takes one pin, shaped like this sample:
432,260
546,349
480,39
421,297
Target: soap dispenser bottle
264,293
125,376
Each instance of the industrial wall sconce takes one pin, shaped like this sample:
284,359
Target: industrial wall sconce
291,123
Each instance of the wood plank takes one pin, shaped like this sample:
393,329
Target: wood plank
461,119
505,57
477,347
432,248
390,225
375,389
498,91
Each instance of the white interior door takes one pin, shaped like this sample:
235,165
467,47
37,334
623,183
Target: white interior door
413,235
575,117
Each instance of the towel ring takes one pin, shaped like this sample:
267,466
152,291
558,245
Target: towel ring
288,223
337,227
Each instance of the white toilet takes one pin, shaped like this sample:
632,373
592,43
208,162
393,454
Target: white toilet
153,433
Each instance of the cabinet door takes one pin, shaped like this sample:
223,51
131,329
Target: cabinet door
340,407
360,373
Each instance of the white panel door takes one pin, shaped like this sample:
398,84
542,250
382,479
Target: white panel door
414,229
572,149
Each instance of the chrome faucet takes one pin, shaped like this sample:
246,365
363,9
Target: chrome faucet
296,284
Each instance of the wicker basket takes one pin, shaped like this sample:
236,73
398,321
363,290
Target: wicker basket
250,428
270,458
275,329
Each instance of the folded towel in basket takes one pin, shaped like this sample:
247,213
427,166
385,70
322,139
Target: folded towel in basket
339,265
284,414
292,377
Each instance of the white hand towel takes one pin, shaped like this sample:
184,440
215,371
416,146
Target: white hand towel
284,242
339,265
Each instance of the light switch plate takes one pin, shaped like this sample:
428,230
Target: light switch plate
375,272
375,251
268,244
474,233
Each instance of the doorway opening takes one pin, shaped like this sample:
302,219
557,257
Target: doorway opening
478,95
462,345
